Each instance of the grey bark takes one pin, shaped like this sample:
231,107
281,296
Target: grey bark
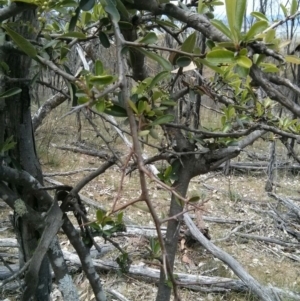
18,124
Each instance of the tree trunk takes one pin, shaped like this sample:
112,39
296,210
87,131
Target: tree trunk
18,124
173,231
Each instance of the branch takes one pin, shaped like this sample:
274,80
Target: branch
47,106
273,93
262,292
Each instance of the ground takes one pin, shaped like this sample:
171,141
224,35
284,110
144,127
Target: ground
240,197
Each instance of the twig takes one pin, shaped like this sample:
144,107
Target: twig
117,294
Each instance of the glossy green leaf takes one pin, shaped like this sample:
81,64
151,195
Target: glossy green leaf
160,76
162,61
235,11
240,9
189,44
99,68
10,92
110,8
74,19
244,61
222,27
123,10
210,44
166,23
220,56
150,38
255,29
259,16
162,120
104,39
73,34
101,79
116,111
183,61
86,5
292,59
21,42
209,65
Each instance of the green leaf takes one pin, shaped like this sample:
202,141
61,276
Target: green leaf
201,7
284,10
73,34
222,27
142,106
116,111
122,9
143,133
110,8
99,67
194,199
21,42
166,23
244,62
86,17
240,7
150,38
160,76
86,5
163,119
10,92
220,56
104,39
209,65
74,19
292,59
101,79
189,44
163,62
183,61
256,28
259,16
294,7
153,134
241,71
100,105
133,106
267,67
235,10
99,216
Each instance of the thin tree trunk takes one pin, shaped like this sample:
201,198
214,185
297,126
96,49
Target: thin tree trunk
19,125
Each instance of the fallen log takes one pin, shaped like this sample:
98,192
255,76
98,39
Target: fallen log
194,282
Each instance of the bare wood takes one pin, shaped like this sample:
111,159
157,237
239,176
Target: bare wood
94,153
195,282
262,292
268,240
67,173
